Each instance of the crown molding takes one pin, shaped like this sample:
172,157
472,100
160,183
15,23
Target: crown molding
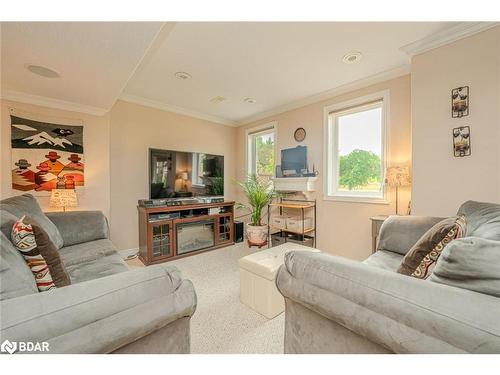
172,108
343,89
450,35
17,96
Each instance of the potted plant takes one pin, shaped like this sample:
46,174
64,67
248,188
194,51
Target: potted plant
259,193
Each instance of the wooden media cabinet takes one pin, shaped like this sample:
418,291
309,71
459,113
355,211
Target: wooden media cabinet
172,232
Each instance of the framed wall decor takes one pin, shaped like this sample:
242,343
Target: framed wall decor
460,102
461,141
45,155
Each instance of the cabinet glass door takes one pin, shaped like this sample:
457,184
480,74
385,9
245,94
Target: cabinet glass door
224,229
162,239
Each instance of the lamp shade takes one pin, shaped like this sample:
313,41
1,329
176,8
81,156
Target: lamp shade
398,176
63,198
183,176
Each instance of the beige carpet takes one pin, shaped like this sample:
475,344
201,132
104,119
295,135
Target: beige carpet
221,323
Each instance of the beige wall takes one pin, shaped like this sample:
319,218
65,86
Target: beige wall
343,227
95,196
441,181
134,129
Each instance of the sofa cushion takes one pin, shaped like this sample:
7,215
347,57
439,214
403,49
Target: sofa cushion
86,252
386,260
7,221
97,268
470,263
399,233
483,219
442,232
50,254
92,260
26,204
16,278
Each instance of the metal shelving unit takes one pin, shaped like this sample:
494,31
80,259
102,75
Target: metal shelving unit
293,204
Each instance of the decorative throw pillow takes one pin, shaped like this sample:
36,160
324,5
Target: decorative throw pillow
40,254
428,242
426,266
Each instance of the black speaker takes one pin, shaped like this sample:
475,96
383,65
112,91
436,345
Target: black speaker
238,231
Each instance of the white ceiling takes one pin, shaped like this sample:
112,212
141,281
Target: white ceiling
275,63
95,59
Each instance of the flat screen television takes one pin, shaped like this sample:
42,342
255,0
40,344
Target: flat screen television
175,174
294,160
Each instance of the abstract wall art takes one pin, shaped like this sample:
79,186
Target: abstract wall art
46,155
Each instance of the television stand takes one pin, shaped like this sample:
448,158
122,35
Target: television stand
166,233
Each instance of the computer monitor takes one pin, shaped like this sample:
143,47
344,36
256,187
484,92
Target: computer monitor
294,159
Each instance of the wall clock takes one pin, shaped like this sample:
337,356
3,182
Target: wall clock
300,134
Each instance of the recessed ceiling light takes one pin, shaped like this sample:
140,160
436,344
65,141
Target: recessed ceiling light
42,71
217,99
250,100
183,75
352,57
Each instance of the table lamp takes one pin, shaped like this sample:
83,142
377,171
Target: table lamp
397,177
63,198
184,176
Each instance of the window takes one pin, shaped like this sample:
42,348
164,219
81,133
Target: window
355,149
198,171
261,143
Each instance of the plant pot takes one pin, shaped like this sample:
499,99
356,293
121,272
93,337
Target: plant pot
257,234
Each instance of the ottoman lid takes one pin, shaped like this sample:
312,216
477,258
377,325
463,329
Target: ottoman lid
266,263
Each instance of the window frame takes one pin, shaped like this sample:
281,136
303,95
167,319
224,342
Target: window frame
195,173
330,153
269,127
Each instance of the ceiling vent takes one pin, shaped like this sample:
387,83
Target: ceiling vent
182,75
217,99
352,57
42,71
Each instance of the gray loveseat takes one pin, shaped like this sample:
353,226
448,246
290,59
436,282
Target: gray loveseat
107,308
337,305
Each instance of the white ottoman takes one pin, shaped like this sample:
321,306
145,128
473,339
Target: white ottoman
257,274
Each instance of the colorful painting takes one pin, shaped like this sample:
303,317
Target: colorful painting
46,156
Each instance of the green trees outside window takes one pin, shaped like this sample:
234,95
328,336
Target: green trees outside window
360,170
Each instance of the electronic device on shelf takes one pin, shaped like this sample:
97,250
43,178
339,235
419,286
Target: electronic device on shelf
151,203
294,161
163,216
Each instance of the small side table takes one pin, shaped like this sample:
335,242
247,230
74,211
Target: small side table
376,224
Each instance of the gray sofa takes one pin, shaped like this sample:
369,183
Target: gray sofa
108,308
337,305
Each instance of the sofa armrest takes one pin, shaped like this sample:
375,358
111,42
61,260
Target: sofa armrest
101,315
399,233
401,313
80,226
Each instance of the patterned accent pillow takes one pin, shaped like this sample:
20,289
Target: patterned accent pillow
426,266
40,254
425,244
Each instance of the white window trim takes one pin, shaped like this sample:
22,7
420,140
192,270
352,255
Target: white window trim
328,150
264,128
195,172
